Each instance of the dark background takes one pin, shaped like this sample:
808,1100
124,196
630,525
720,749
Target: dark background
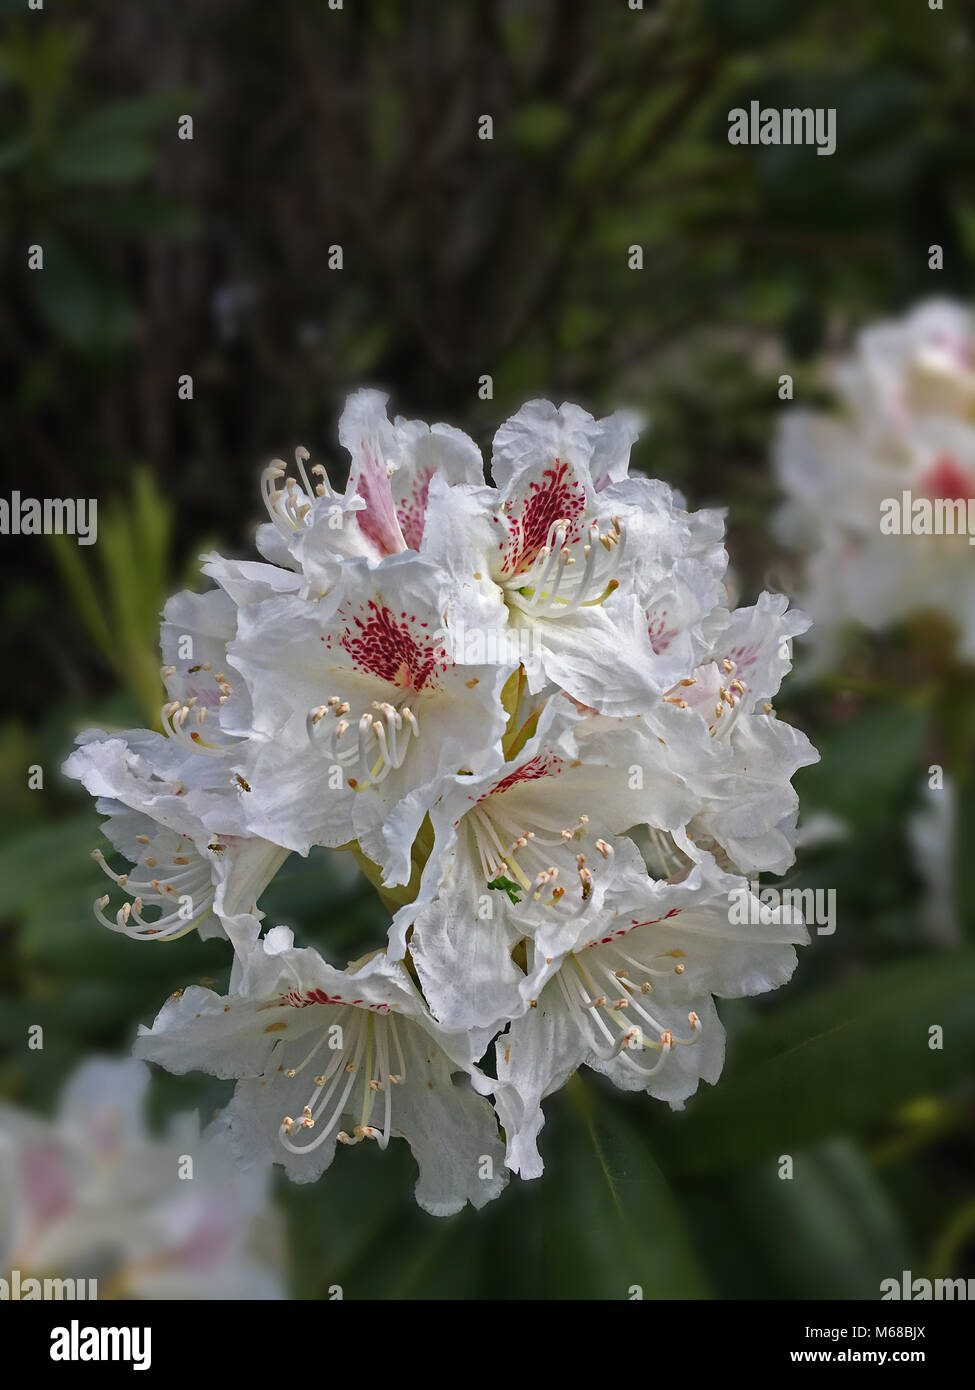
462,257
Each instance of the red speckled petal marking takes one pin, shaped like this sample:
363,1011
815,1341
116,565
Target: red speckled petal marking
632,926
411,510
297,999
394,649
744,657
558,496
659,633
378,519
542,765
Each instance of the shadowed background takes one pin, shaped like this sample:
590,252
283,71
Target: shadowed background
461,257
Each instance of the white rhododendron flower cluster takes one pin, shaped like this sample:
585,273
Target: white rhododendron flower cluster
92,1196
528,710
881,490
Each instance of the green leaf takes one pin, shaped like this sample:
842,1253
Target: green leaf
835,1062
113,144
539,126
865,763
80,302
42,860
844,1235
611,1220
87,157
506,885
15,151
964,859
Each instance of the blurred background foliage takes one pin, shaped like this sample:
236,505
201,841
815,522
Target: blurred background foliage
315,127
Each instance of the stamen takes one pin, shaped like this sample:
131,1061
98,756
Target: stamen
595,1012
191,882
391,733
550,588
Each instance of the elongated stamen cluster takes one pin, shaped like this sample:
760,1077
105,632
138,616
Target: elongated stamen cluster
187,726
288,506
376,743
367,1041
612,1010
667,859
526,856
182,890
567,574
720,701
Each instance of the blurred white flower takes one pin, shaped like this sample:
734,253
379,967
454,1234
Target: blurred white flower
932,832
881,491
92,1194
